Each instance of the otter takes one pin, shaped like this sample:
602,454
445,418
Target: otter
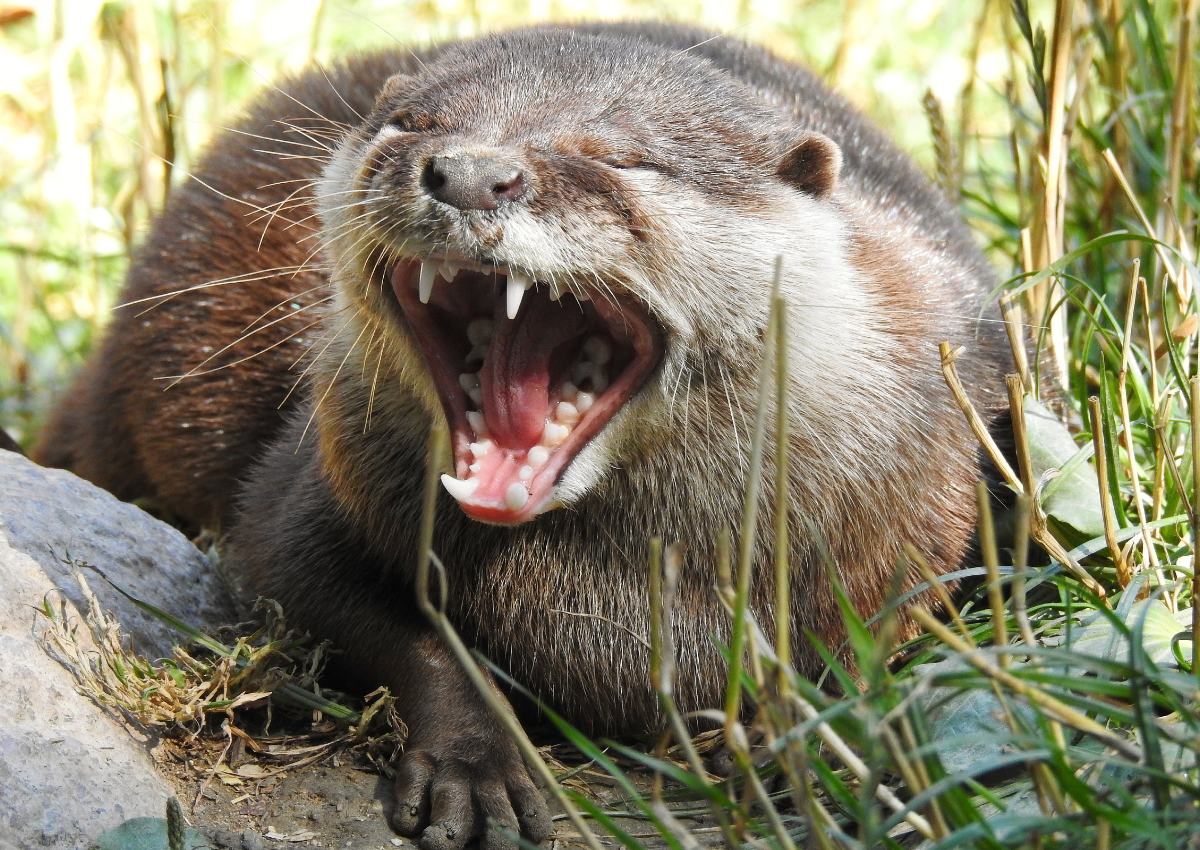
559,243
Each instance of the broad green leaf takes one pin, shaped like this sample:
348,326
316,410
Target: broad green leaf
1073,497
147,834
1101,640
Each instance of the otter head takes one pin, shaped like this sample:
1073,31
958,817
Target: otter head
557,224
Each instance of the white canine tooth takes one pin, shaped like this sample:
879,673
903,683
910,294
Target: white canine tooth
517,284
477,422
516,496
537,456
479,353
566,413
428,274
569,391
468,381
460,490
554,434
476,395
597,350
479,331
448,270
584,401
525,473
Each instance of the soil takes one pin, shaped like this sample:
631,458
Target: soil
342,800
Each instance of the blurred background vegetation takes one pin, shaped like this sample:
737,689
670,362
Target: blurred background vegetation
104,104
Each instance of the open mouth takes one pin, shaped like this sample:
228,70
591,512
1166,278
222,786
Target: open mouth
527,372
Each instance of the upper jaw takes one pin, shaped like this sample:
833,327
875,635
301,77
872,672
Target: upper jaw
528,370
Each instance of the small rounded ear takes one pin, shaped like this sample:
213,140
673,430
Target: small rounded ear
393,87
811,164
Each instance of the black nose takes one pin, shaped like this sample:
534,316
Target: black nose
473,182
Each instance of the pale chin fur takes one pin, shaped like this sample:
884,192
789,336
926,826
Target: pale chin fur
721,291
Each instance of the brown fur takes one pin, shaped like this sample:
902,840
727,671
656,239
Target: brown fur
328,516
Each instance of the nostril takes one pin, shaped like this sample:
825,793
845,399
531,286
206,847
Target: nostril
512,188
432,178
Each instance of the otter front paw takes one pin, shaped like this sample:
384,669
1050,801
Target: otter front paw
451,797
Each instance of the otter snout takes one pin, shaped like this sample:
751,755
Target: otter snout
473,181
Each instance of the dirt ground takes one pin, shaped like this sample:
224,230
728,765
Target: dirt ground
341,800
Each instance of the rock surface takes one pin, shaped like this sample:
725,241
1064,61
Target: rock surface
68,771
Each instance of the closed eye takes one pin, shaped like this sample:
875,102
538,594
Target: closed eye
624,160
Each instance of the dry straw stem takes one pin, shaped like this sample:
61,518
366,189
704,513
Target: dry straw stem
1020,560
1106,505
1014,324
939,590
1037,520
663,585
1180,138
1046,231
1055,708
1182,286
439,443
1195,517
991,561
1127,426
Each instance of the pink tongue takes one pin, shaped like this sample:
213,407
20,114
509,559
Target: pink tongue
517,373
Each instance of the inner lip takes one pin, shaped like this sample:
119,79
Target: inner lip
527,371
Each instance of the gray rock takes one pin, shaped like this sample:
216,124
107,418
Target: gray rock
56,518
68,771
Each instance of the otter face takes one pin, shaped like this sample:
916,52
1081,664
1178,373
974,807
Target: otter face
540,256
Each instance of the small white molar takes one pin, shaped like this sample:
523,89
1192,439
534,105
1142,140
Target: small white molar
537,456
449,270
525,473
475,467
582,371
569,391
480,448
469,381
597,350
516,496
554,434
425,287
476,396
459,489
479,353
600,381
584,401
566,413
478,424
583,296
479,331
